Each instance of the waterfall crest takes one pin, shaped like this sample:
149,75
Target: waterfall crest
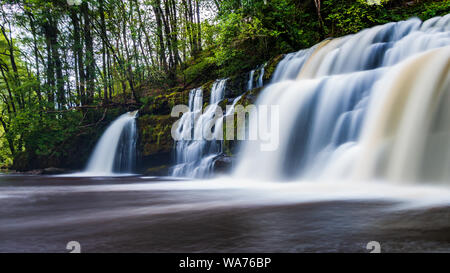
115,152
373,105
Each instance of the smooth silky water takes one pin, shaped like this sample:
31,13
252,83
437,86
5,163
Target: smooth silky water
364,156
115,152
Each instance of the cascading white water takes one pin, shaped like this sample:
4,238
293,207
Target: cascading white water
196,151
115,152
288,68
218,131
250,80
261,76
373,105
259,82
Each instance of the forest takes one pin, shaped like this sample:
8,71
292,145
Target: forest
67,65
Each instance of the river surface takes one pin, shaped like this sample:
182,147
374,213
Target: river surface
148,214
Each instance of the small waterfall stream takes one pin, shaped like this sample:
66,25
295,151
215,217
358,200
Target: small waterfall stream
261,76
259,82
250,80
115,152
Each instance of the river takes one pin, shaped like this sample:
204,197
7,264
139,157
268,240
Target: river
150,214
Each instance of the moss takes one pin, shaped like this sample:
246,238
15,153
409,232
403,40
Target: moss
207,87
271,66
159,170
250,96
201,69
236,85
155,134
177,98
223,104
163,104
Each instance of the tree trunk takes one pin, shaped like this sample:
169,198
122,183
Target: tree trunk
199,27
53,35
103,30
78,55
90,65
162,55
36,57
50,69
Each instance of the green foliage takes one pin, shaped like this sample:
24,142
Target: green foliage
251,32
237,37
43,135
346,17
200,69
5,153
423,9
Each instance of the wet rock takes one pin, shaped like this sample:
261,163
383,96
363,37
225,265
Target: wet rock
223,164
34,172
157,171
270,68
155,134
53,170
236,85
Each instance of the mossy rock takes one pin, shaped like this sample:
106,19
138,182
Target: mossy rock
201,69
224,103
271,66
155,134
250,96
163,104
162,170
223,164
207,88
178,98
236,85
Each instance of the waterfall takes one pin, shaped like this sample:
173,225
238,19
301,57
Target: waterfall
218,131
196,152
115,152
373,105
261,76
260,82
250,80
288,68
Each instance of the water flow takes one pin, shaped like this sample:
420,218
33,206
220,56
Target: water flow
250,80
260,81
115,152
261,76
229,114
288,68
196,152
373,105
